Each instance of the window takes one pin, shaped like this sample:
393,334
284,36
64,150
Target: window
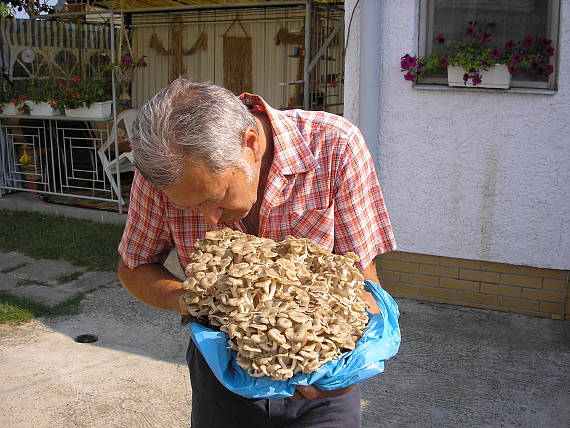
511,20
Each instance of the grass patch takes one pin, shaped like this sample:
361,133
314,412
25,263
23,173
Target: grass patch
13,268
64,279
18,310
80,242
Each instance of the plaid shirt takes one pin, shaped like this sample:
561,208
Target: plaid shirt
321,185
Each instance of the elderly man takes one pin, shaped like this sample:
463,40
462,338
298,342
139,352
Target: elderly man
206,158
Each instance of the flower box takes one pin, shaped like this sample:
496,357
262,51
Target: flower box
497,77
9,109
95,110
41,109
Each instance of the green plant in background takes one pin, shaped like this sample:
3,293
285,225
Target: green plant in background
476,54
82,92
44,91
6,11
6,90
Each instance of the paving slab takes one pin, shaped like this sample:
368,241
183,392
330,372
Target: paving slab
46,270
90,281
12,259
46,295
7,282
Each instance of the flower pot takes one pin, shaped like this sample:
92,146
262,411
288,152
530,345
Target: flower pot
9,108
95,110
41,109
497,77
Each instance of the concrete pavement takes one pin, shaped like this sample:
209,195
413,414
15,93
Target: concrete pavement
456,366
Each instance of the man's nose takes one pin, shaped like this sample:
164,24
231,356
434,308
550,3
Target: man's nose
212,215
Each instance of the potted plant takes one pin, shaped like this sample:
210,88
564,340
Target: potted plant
475,61
42,98
6,97
124,70
85,98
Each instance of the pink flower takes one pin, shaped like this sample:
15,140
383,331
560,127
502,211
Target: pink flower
439,38
470,31
549,50
485,37
410,76
465,77
476,79
549,69
510,45
516,58
513,69
528,40
408,62
495,53
443,61
126,59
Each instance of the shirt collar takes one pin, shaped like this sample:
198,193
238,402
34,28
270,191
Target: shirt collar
291,153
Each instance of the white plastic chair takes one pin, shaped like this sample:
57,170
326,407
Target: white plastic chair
124,162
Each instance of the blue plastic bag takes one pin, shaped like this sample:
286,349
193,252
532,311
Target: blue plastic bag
379,343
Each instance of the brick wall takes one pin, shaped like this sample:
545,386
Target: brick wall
479,284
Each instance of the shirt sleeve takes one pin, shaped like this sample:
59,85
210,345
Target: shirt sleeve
362,224
146,238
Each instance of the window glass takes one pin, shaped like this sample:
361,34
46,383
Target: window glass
508,19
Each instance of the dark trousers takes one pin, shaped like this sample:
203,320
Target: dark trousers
215,406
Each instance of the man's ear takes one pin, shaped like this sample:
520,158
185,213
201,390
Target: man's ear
251,143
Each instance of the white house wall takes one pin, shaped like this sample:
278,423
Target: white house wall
478,175
270,63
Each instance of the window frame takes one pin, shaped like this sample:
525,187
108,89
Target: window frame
425,43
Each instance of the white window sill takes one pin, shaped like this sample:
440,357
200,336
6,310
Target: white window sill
534,91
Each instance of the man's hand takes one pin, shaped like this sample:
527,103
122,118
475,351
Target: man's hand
311,392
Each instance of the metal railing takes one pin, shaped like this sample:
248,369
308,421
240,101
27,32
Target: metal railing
57,155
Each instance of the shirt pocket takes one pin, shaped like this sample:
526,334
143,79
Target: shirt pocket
317,225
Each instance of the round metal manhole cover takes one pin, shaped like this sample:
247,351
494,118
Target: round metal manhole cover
86,338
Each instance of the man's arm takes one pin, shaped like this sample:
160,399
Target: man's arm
370,274
154,285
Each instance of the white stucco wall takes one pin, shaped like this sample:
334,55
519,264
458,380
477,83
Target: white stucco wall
481,175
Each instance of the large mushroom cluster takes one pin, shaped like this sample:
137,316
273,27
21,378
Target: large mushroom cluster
287,307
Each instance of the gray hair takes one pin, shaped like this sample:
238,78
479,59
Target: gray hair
189,120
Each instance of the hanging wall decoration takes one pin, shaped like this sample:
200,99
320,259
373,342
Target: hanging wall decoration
237,61
176,51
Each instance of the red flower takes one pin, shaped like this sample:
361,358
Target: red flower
77,79
61,85
14,101
21,97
